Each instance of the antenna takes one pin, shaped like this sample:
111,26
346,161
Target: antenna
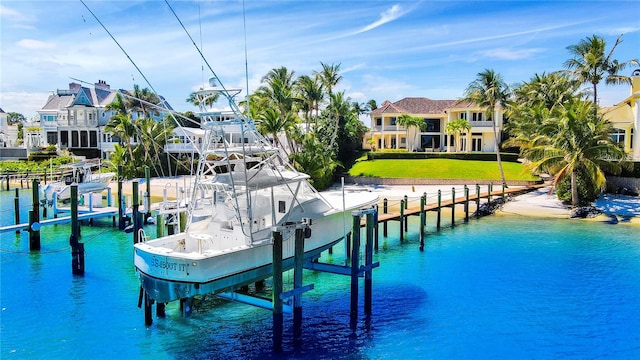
246,61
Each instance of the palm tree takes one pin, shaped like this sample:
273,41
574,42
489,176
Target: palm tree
489,90
269,122
339,109
456,127
118,105
576,142
123,127
140,100
590,65
372,105
407,121
310,89
329,76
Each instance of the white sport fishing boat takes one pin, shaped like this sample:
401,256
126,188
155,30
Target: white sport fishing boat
243,190
82,176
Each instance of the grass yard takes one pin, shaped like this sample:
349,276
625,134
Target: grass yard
440,169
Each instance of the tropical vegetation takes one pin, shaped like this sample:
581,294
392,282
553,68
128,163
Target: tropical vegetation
560,132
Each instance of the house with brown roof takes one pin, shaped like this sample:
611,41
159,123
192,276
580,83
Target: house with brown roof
385,133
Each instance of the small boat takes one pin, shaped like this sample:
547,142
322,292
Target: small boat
82,176
243,189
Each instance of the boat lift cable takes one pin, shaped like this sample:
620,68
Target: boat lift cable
163,100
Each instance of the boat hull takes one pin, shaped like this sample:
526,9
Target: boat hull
168,278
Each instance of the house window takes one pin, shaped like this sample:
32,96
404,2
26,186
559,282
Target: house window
64,138
433,125
393,121
74,139
618,136
462,115
403,141
476,116
93,139
378,121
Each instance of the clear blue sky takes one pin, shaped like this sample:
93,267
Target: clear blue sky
387,49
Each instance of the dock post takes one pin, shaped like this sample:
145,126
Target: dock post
439,210
423,215
16,208
277,290
406,206
147,194
466,203
298,262
135,213
376,231
385,210
503,185
120,204
182,217
159,226
109,196
368,260
489,190
355,265
348,246
148,310
77,248
160,310
54,202
453,207
402,220
43,202
477,201
34,218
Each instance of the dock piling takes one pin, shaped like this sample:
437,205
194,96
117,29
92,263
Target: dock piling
34,218
477,201
423,216
277,290
466,203
402,220
385,210
77,248
135,214
368,256
453,207
355,265
439,210
298,260
16,208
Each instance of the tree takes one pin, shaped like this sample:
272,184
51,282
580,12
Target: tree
329,76
123,127
456,127
316,162
140,100
590,65
407,121
489,90
118,105
14,118
311,92
575,142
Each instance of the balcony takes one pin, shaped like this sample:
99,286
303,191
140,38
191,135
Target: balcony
480,123
387,128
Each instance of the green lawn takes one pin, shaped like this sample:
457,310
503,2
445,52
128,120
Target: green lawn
440,169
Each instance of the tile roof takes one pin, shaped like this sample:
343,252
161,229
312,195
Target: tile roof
419,105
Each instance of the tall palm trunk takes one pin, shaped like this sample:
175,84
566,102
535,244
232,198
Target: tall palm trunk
496,138
574,188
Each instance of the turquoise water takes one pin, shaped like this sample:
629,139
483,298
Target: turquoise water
500,287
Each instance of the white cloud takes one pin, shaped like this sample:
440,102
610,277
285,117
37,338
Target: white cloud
13,15
388,15
35,44
507,54
25,103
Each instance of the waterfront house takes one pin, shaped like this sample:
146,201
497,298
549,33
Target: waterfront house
625,117
385,133
74,119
